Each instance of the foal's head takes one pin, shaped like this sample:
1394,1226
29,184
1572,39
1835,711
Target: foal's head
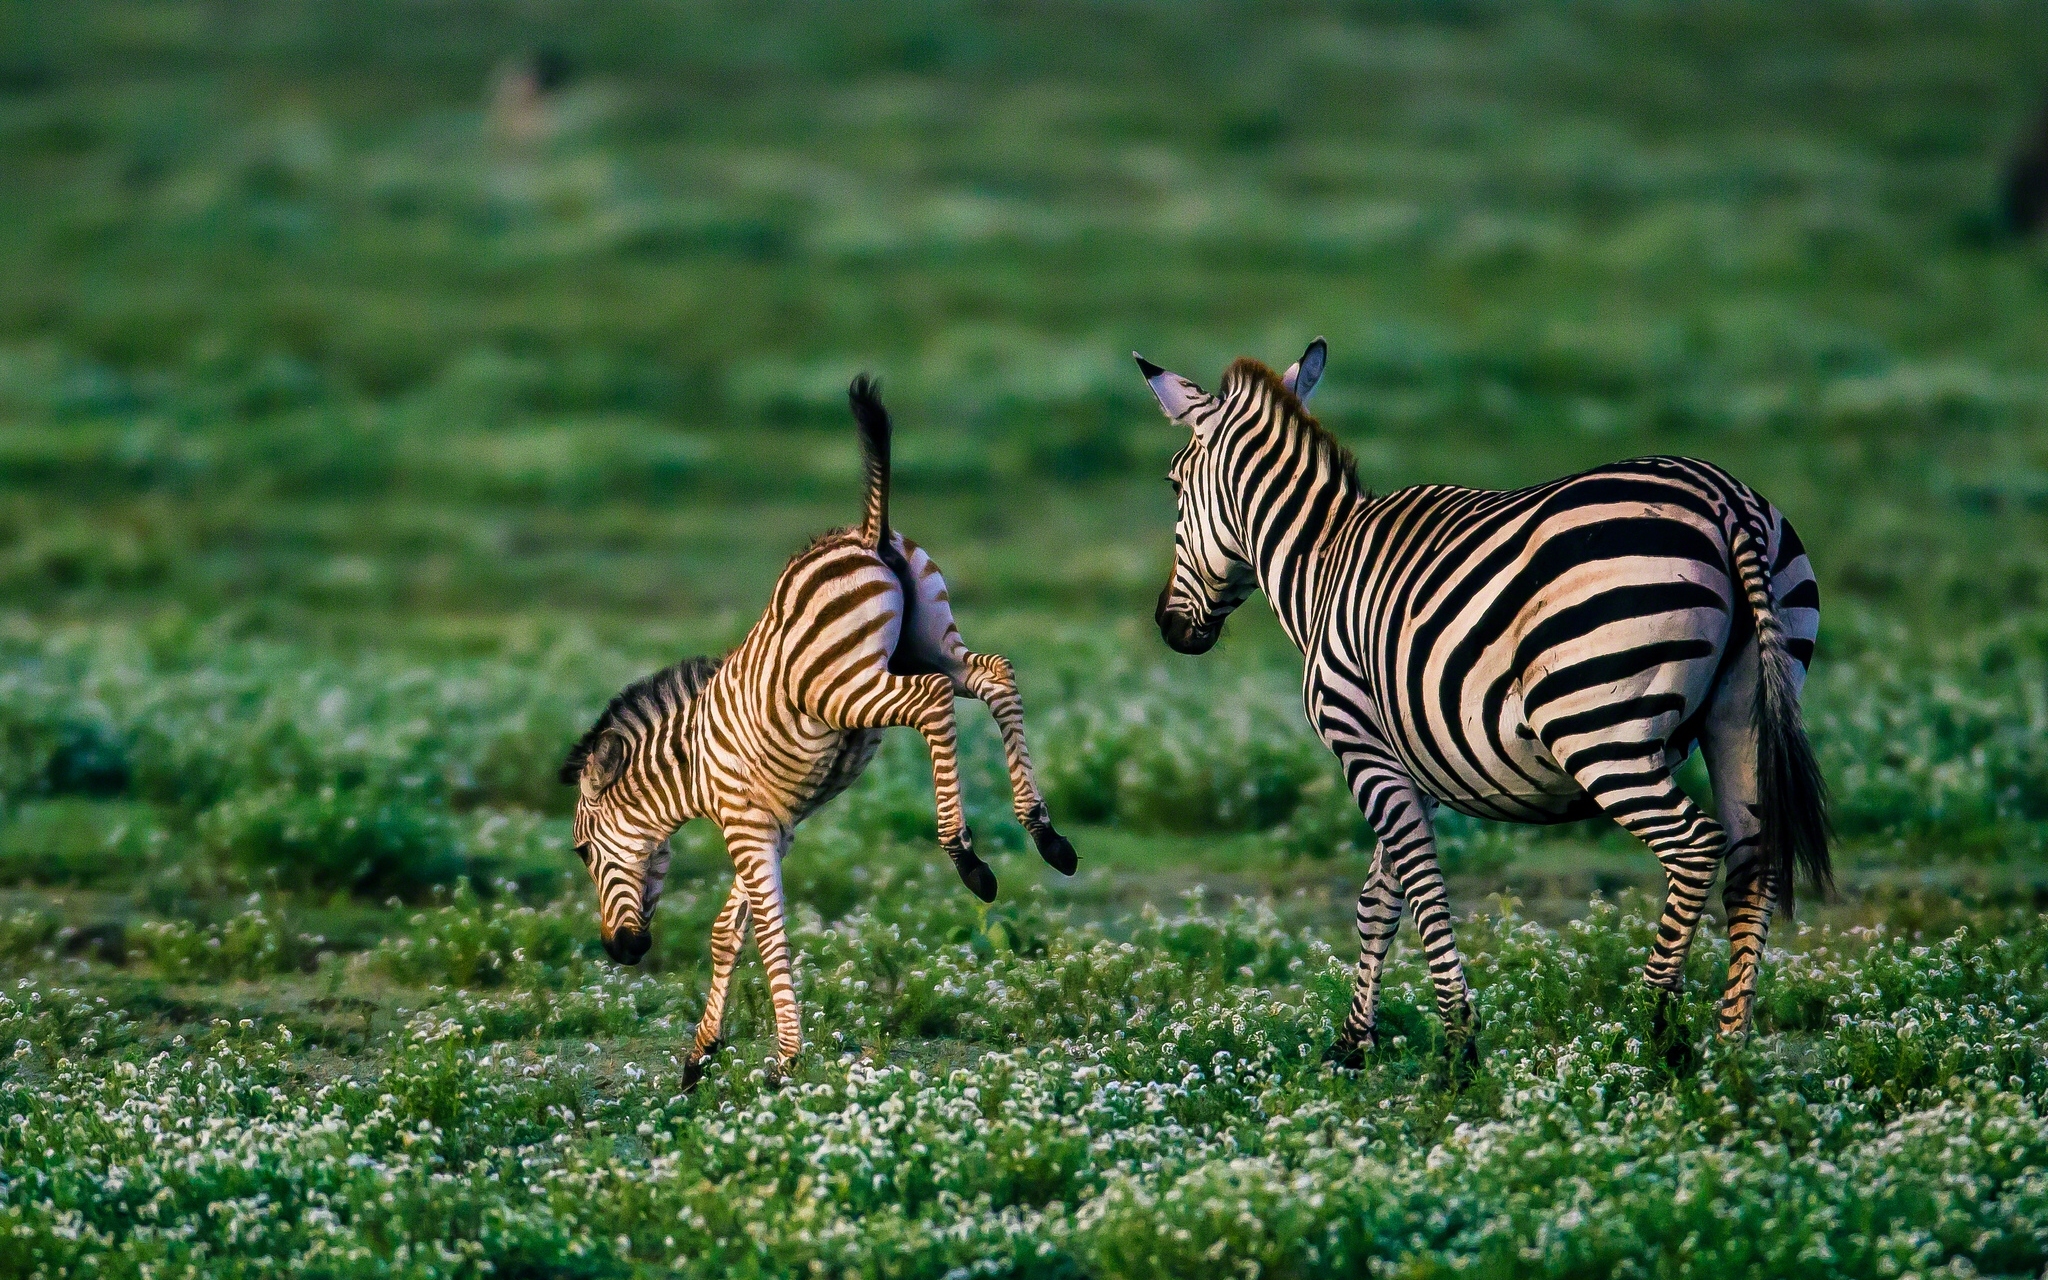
631,770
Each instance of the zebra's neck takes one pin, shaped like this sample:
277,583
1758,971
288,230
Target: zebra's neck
692,748
678,760
1294,494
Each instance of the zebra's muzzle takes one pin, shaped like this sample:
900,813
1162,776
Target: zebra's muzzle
1180,633
627,946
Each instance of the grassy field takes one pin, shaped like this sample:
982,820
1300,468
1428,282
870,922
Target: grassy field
356,444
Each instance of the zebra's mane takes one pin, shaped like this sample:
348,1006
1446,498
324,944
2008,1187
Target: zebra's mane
844,533
1292,413
650,698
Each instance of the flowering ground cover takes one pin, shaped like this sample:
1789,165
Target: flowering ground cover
358,441
1013,1092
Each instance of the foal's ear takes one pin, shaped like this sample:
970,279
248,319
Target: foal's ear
1180,399
1303,375
607,760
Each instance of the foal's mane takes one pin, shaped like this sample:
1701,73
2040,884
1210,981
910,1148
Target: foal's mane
649,698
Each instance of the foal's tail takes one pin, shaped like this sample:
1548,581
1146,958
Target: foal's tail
1790,791
865,395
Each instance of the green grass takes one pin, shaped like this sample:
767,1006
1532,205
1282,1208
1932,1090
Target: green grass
351,456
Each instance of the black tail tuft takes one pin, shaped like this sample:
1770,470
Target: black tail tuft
865,396
1791,794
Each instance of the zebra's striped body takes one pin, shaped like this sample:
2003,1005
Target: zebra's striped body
857,637
1536,656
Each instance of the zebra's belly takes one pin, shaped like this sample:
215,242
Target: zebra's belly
1537,789
836,768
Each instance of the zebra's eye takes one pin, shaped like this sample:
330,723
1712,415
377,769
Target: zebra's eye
583,852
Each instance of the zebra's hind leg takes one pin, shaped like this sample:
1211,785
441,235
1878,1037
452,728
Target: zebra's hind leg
932,640
728,935
1728,743
989,678
925,703
1747,899
941,737
1639,793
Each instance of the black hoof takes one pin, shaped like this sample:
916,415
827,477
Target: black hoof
1056,849
1345,1057
974,873
693,1068
1681,1057
1461,1060
1673,1043
980,881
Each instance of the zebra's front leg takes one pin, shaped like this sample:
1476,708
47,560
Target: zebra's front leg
1379,918
1422,884
756,844
1400,815
990,678
728,935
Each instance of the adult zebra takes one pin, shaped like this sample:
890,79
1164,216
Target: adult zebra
1539,655
858,636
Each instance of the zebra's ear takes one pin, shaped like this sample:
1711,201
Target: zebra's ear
607,760
1303,375
1178,397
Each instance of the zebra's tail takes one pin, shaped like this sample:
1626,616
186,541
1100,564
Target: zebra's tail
865,395
1791,794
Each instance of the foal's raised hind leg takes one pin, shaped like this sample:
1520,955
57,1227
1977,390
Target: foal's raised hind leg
879,700
931,640
989,677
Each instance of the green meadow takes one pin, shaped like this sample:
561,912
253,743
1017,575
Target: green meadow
364,426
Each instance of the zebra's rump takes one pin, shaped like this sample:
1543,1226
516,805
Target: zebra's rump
1517,637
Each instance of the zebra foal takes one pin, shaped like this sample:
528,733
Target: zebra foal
1539,656
857,637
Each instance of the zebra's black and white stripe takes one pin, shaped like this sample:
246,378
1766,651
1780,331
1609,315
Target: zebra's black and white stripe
857,637
1539,655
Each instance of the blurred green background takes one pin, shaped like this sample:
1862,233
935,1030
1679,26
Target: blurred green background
381,385
295,328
